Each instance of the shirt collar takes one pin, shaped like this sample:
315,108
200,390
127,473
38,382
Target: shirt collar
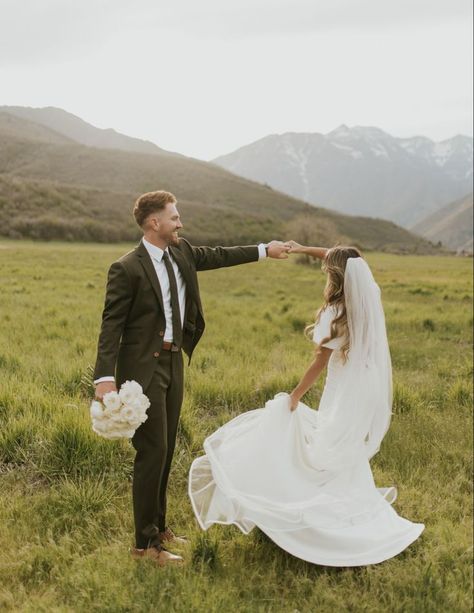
155,252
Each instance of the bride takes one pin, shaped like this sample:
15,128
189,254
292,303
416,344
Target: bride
303,476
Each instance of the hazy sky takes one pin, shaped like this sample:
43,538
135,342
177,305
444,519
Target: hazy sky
204,77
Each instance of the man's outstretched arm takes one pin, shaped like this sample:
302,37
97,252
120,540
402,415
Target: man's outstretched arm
209,258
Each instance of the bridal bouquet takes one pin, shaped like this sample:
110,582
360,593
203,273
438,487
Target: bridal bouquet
120,413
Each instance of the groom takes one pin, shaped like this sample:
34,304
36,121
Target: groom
152,313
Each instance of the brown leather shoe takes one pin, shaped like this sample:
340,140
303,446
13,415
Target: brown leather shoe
158,555
168,536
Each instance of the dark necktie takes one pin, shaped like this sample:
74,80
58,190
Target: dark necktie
175,313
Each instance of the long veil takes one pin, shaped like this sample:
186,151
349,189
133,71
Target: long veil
370,353
359,416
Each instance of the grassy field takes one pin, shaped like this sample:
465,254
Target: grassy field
65,495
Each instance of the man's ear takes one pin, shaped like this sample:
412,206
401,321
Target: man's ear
153,223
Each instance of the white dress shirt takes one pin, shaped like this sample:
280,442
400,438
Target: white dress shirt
156,255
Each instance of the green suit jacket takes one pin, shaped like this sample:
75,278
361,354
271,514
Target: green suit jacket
133,320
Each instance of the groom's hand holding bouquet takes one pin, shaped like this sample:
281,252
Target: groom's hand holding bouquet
104,388
118,414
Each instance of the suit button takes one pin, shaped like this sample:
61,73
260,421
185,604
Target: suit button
156,354
162,332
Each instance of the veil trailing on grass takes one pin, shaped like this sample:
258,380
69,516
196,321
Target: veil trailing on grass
303,477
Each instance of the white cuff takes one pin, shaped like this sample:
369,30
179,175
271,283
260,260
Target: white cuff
102,379
261,251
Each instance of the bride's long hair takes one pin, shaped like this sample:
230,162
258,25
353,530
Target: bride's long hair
334,264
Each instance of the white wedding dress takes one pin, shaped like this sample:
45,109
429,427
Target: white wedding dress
303,477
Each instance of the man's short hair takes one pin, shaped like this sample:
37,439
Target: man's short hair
151,202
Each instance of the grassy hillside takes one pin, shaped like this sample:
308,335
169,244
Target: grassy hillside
136,173
46,210
17,128
219,206
79,131
452,225
65,494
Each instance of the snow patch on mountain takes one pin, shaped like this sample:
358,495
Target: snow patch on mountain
298,157
350,150
442,152
379,151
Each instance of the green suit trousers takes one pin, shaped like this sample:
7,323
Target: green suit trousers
154,442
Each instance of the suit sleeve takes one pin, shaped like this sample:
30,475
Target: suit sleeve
118,300
209,258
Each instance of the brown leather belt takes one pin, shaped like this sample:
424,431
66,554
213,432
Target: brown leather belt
167,346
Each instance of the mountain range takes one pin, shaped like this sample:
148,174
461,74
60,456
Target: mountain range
62,178
451,225
360,170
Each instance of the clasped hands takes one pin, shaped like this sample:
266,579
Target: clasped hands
279,250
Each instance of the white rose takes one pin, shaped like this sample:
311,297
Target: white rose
97,412
116,417
111,416
134,404
113,430
143,415
128,413
137,388
121,432
139,404
138,419
129,391
112,401
143,402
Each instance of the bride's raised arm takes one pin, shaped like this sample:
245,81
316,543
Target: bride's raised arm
314,252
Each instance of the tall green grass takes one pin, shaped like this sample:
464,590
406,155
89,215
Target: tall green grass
65,496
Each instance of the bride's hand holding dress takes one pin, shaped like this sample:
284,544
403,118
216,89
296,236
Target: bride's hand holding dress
316,367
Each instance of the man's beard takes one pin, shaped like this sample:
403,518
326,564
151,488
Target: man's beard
174,239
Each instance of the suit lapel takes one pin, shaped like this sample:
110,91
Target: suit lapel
145,261
184,270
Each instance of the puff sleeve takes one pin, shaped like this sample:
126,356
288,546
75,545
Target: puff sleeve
323,329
